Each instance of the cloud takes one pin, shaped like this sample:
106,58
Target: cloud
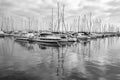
106,9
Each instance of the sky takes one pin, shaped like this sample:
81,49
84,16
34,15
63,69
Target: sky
107,10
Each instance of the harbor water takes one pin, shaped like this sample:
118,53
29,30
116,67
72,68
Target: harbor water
97,59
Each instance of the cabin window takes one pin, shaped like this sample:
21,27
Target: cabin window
63,37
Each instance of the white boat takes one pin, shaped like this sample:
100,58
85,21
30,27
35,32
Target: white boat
52,39
47,39
82,36
21,39
24,36
2,34
65,38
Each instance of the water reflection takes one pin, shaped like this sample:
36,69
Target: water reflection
94,60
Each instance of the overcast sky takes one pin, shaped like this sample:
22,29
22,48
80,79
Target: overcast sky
109,10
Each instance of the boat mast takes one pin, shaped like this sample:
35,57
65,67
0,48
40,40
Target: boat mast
58,18
22,24
1,24
70,27
63,19
29,24
7,24
90,22
78,23
12,24
84,20
37,25
52,21
74,24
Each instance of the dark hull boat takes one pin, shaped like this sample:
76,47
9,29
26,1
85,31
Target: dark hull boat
54,43
43,41
2,34
49,44
22,39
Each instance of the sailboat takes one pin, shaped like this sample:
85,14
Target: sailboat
47,37
24,35
2,34
65,38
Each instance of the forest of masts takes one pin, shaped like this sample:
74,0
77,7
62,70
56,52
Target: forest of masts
81,23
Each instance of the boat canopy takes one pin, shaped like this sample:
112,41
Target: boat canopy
28,35
1,32
45,34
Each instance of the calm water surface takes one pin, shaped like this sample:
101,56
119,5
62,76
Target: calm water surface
94,60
